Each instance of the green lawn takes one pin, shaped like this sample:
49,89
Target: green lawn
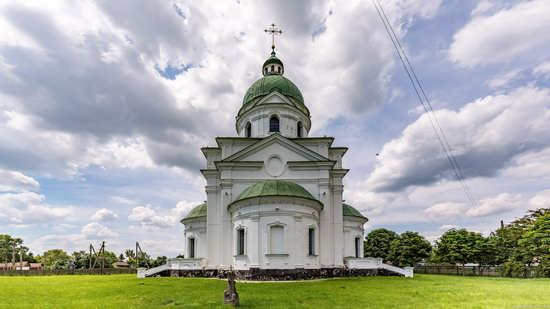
423,291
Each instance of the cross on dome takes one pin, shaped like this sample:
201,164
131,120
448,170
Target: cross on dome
273,31
273,65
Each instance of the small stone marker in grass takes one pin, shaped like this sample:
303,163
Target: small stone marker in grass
230,296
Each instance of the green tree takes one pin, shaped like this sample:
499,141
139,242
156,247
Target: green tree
408,249
460,246
81,259
55,259
378,243
456,246
160,260
536,242
11,248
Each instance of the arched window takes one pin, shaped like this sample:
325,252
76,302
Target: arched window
279,70
273,124
277,239
265,70
357,247
272,68
299,129
191,248
311,241
241,245
248,130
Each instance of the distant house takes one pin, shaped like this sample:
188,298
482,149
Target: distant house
121,265
37,266
25,265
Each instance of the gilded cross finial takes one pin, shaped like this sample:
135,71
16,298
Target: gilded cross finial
273,31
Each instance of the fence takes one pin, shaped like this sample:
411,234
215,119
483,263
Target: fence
488,271
54,272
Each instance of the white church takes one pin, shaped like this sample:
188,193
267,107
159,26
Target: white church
274,194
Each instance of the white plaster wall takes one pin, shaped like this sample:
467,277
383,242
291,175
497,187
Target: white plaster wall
257,219
196,229
259,116
352,229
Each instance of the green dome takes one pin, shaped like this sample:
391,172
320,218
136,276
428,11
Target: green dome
270,83
273,59
197,212
349,211
275,188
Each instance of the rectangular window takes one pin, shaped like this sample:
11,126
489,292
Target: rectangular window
240,242
191,248
277,240
357,247
311,241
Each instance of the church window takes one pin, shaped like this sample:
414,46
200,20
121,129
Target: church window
311,241
240,241
272,68
276,243
265,70
279,70
357,247
299,129
273,124
191,248
248,130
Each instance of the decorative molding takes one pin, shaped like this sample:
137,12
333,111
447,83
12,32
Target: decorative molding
272,139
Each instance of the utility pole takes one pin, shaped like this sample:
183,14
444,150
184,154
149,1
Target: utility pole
102,257
13,257
21,259
137,256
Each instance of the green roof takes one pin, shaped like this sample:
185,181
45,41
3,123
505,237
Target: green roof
275,188
197,212
349,211
272,59
270,83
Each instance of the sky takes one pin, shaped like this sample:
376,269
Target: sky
104,106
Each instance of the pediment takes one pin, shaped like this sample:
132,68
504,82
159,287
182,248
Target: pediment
279,145
275,97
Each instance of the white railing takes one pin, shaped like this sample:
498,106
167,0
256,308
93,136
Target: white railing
376,263
173,264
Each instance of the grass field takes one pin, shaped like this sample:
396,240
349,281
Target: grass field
423,291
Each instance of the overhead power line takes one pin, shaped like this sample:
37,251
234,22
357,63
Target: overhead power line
427,106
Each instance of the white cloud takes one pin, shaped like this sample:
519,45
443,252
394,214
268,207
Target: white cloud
367,202
29,207
97,231
541,200
484,135
531,165
542,69
501,203
504,79
502,36
182,209
448,227
447,210
152,219
122,200
13,181
104,215
141,213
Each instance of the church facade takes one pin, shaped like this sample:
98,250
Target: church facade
274,194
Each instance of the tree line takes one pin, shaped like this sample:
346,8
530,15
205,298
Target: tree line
12,250
520,243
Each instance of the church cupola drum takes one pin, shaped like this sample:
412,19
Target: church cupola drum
274,194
